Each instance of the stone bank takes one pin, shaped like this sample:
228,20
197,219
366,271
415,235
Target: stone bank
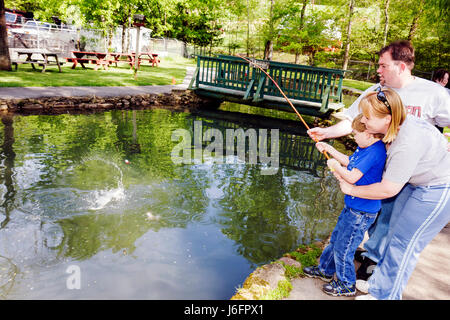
177,100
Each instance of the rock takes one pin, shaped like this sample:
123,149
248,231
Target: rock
178,100
33,107
290,262
105,105
263,280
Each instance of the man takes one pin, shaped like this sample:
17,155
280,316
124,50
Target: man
421,98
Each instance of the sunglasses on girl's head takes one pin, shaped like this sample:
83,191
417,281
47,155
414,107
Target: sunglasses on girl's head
381,96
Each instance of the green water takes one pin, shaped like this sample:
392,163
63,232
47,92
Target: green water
101,195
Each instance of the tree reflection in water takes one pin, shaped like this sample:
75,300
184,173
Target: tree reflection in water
46,183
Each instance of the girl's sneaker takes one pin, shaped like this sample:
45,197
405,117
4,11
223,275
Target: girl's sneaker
337,288
314,272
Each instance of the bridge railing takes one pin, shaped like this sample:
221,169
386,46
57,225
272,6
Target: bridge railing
317,89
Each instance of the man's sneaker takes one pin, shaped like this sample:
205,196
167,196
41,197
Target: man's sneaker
314,272
366,297
362,286
366,269
337,288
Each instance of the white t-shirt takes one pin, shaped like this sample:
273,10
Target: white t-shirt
422,98
418,155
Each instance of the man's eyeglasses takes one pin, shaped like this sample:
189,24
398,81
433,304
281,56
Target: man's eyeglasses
381,96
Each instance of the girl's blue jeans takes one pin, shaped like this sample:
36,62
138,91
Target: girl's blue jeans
338,256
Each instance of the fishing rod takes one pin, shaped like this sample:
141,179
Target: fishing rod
287,99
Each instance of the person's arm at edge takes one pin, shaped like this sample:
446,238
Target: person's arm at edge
340,129
349,176
376,191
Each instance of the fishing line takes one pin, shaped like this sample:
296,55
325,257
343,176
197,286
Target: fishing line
287,99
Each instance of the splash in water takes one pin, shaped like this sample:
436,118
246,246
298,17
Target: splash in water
101,198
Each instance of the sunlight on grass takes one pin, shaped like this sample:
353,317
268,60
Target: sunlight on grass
25,76
357,84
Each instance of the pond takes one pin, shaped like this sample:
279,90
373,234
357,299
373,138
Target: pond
109,206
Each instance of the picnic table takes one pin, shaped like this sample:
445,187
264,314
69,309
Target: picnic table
151,57
105,59
129,58
84,57
44,62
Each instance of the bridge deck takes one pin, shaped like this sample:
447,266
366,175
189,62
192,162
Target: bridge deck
313,91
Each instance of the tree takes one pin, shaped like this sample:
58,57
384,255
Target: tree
5,60
268,46
386,21
293,33
415,21
351,6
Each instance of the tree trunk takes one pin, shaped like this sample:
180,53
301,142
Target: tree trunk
123,37
302,13
386,21
8,164
415,22
349,31
248,29
5,60
268,48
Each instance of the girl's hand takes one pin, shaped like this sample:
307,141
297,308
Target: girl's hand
322,146
333,164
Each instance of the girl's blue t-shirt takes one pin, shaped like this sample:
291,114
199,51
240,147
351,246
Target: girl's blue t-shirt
370,161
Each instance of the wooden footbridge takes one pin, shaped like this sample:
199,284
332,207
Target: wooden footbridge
313,91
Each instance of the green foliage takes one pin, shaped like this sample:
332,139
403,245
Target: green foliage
292,271
282,291
306,255
295,27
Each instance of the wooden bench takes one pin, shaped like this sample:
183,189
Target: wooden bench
98,62
40,63
75,61
153,58
313,91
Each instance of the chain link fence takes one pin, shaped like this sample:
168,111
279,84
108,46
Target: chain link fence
65,39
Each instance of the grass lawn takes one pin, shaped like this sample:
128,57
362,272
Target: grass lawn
122,75
357,84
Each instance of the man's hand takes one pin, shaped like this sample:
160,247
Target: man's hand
318,134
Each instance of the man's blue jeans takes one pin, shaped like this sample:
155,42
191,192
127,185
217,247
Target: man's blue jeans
338,256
